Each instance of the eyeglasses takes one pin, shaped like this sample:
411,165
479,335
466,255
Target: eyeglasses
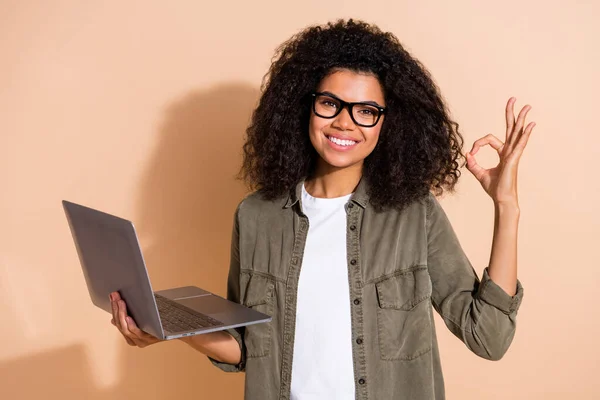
363,114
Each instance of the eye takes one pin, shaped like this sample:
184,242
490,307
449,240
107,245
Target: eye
328,103
365,110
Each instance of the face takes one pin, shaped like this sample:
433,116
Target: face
339,141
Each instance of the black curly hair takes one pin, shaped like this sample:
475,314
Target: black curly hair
419,147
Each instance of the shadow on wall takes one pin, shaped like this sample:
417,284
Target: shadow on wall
187,198
189,193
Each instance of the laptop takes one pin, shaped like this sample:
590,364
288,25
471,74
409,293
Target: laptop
112,261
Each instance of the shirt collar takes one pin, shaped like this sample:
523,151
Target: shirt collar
359,197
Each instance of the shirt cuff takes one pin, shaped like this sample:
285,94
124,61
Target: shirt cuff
241,366
495,296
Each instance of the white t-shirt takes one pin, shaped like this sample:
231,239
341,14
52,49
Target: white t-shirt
322,367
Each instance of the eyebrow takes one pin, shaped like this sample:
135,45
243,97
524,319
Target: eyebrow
370,102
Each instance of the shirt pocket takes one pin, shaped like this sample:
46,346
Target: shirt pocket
259,296
404,315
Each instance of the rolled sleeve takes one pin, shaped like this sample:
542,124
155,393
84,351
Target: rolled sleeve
233,294
480,313
241,366
495,296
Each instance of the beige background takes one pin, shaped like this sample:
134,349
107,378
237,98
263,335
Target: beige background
138,108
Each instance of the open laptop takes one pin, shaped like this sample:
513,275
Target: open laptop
112,261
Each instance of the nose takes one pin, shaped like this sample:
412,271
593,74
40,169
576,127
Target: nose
344,120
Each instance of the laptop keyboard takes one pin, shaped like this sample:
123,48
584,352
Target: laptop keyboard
177,318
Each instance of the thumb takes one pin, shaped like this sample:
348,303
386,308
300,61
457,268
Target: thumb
473,167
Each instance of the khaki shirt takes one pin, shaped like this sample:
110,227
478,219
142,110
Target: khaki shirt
401,266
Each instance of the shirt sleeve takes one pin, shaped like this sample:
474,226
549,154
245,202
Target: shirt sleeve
233,294
480,313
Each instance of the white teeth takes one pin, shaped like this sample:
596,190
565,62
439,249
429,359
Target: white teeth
342,142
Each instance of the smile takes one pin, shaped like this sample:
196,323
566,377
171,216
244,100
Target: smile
341,142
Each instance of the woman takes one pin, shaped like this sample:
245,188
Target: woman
343,242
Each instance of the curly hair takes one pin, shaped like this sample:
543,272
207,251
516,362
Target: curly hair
419,147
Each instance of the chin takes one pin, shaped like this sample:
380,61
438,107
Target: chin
339,162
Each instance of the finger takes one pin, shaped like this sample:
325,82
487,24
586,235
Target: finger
129,341
510,116
114,297
115,313
133,328
520,146
516,133
473,167
490,139
122,319
130,338
140,334
115,320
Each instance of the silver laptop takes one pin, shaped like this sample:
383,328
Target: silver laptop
112,261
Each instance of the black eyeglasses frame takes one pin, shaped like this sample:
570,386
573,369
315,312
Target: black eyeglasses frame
349,106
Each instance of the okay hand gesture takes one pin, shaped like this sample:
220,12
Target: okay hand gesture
500,182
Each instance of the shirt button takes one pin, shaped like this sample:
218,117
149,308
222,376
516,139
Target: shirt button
362,381
352,227
350,205
357,301
353,262
359,341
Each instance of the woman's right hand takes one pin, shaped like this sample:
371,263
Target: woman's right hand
127,326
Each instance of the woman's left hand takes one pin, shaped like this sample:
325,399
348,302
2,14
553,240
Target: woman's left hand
500,182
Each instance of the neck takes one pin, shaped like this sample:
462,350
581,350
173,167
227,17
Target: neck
329,182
